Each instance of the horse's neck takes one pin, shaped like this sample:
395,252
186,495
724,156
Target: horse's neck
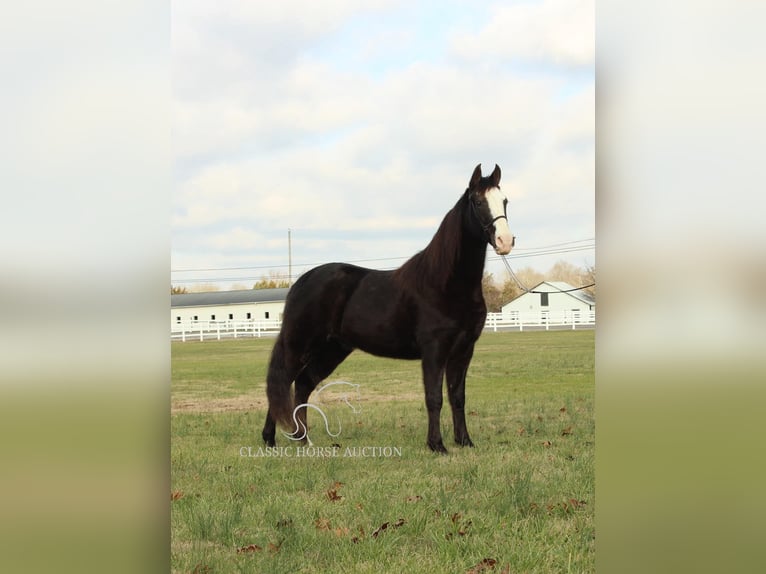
455,258
469,267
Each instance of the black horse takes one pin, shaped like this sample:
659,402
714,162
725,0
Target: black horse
431,308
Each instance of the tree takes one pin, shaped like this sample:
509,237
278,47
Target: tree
563,271
492,293
275,280
588,277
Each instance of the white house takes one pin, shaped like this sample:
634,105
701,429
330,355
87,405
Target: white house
223,306
555,300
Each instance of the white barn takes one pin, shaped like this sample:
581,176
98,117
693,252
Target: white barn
220,307
555,301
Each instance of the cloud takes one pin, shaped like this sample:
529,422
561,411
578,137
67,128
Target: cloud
560,32
363,158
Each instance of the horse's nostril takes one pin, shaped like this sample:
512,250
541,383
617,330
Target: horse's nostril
513,241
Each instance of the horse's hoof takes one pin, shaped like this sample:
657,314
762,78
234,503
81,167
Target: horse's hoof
438,447
270,440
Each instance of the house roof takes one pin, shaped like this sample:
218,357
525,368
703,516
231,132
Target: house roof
228,297
557,286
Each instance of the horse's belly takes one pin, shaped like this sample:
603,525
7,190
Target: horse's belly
380,340
392,350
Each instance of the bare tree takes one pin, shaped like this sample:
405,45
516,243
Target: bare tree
274,280
493,295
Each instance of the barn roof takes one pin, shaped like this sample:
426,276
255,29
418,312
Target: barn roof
557,286
228,297
579,294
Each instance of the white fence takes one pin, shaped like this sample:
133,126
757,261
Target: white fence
515,321
539,320
205,330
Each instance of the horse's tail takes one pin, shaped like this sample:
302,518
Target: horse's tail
278,387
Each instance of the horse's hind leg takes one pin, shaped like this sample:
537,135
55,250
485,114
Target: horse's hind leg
283,368
269,432
322,364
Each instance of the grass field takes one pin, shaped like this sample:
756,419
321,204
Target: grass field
521,501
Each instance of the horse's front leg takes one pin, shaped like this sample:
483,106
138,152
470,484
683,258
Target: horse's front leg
433,375
457,367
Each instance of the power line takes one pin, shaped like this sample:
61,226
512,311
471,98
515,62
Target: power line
535,251
539,253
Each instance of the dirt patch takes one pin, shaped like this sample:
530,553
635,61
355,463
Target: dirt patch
254,403
240,403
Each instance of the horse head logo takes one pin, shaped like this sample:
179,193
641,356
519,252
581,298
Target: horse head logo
301,432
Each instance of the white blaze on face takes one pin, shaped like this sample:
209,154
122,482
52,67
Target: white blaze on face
503,237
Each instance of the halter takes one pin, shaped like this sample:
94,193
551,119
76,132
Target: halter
488,226
491,223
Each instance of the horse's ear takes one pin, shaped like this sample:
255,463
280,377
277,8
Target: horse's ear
476,177
496,176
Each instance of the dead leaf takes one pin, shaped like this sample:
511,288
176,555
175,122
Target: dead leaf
547,443
201,569
249,548
574,503
455,517
341,531
563,410
359,506
380,529
176,494
284,523
415,498
322,524
385,525
566,431
274,548
521,431
486,564
506,569
356,539
333,495
473,414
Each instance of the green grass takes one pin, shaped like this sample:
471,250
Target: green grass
524,497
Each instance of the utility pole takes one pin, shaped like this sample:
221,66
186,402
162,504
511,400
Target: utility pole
289,257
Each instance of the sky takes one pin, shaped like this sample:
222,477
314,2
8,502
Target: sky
357,125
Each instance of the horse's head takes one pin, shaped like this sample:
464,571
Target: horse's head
488,205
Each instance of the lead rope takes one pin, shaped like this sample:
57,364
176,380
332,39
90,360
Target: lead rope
523,288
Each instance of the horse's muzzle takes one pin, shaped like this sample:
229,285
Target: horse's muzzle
504,243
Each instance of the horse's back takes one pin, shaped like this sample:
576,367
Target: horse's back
318,298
